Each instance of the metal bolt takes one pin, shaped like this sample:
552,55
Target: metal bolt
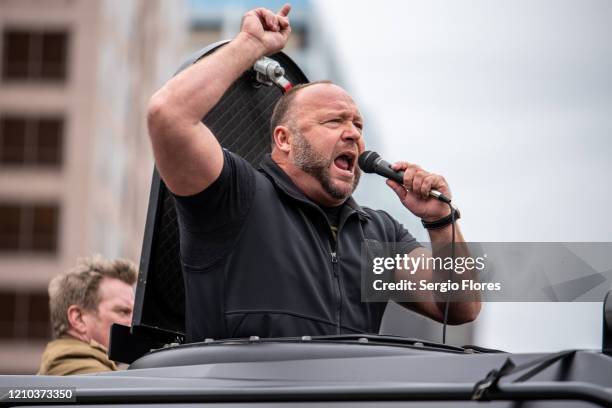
279,71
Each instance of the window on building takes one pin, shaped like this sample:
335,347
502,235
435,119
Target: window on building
24,315
31,141
7,314
29,227
38,316
34,55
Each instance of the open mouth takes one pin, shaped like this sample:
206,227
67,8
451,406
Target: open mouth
346,161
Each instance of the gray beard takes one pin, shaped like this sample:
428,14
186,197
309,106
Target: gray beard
314,163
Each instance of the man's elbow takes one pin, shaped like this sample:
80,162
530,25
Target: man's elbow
468,312
159,111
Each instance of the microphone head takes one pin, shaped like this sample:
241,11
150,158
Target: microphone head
367,161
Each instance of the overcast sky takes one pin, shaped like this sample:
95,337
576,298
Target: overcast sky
511,100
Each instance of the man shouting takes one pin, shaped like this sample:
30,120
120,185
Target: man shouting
275,251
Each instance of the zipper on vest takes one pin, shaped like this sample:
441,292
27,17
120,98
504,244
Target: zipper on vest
334,261
335,268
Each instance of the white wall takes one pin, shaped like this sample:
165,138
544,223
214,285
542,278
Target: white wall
512,102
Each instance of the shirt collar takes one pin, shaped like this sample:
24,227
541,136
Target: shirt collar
286,185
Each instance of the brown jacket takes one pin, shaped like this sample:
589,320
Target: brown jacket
68,356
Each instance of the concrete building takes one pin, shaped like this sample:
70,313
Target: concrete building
75,160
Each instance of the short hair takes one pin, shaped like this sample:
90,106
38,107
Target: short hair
280,113
80,285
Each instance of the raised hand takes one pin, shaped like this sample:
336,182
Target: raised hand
267,30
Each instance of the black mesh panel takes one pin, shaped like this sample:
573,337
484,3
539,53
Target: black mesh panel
241,123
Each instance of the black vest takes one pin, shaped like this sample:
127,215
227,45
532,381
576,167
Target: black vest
286,275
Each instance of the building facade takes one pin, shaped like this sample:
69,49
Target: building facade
75,160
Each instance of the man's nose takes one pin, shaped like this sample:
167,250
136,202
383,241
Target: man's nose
351,133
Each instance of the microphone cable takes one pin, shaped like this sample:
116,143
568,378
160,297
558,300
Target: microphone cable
447,303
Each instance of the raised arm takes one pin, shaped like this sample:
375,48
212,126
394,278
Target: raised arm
187,154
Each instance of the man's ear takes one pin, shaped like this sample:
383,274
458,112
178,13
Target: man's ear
282,138
75,318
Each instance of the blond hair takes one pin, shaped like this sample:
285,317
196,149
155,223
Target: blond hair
79,286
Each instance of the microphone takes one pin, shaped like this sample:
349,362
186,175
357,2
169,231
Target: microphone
371,162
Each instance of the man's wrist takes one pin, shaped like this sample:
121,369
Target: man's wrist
251,44
436,218
442,222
